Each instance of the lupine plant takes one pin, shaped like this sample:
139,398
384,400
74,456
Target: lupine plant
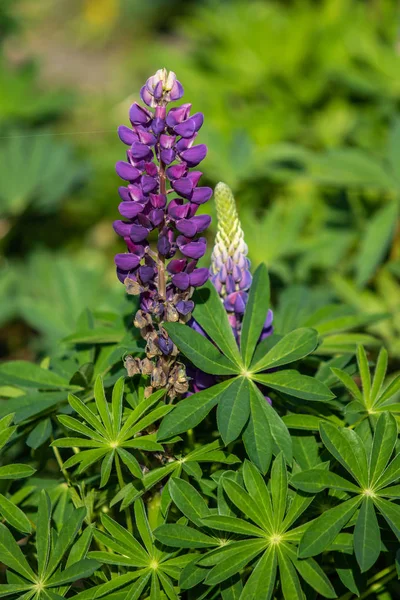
208,447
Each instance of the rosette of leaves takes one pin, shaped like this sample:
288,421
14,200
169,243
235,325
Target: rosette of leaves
264,537
109,434
369,490
374,397
147,564
61,557
242,408
8,510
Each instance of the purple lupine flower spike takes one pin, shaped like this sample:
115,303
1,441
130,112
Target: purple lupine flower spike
230,267
161,153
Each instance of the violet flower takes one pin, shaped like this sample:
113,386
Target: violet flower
161,196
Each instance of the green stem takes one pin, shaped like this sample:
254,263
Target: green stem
60,463
121,485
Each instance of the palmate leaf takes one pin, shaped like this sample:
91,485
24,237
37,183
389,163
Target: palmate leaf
51,550
373,478
264,533
144,559
374,397
109,438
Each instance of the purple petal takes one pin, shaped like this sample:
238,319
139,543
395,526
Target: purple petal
183,186
149,184
124,193
158,200
146,274
140,151
177,171
188,127
181,281
121,228
146,96
167,141
127,171
156,216
193,156
201,222
187,227
165,344
201,195
178,114
136,193
178,211
167,155
129,210
199,277
158,125
193,249
184,307
176,91
194,177
163,245
138,233
126,135
145,136
176,265
126,262
139,115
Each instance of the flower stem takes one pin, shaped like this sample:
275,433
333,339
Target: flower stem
60,462
162,284
121,483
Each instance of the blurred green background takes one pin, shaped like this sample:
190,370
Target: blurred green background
302,119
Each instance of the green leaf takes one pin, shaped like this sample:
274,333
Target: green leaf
367,536
233,564
191,411
290,583
302,422
211,315
312,573
14,515
143,526
380,372
391,513
39,434
180,536
365,374
259,492
102,405
385,438
188,500
16,471
106,466
200,351
11,555
316,480
99,335
87,414
348,449
243,501
43,539
349,383
279,484
233,409
130,461
322,531
389,391
390,474
261,583
233,525
255,313
26,374
292,347
117,404
375,241
80,570
257,436
65,538
293,383
279,431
